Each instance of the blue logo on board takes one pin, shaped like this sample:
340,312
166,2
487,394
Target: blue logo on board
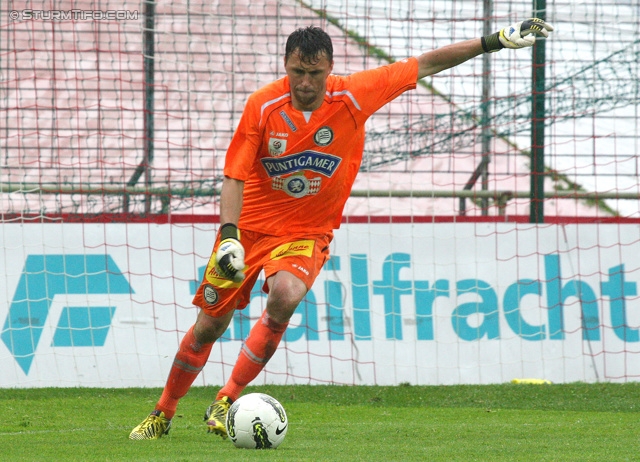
45,276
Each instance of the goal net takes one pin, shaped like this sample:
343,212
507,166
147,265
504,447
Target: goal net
114,123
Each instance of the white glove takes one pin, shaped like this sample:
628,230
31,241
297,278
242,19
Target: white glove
523,34
520,35
230,254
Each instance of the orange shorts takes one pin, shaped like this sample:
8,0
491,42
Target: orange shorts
303,256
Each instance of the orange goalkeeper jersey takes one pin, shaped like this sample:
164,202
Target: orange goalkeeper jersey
298,174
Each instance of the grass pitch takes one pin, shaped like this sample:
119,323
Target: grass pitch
581,422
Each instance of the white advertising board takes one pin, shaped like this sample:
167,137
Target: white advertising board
105,305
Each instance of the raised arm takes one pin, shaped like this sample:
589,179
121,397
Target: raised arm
519,35
437,60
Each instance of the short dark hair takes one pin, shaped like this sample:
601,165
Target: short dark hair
310,42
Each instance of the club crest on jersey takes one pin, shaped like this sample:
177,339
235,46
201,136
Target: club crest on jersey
323,137
277,147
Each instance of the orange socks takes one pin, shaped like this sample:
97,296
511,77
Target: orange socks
189,361
259,346
256,351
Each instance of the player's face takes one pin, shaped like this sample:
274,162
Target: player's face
307,81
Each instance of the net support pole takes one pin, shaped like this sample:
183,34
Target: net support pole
149,80
486,107
148,50
482,170
536,214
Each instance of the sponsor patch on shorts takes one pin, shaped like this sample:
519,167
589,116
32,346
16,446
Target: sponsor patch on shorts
304,248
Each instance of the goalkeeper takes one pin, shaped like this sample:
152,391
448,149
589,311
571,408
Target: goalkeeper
288,173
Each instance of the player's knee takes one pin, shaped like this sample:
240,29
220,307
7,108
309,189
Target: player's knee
282,304
285,294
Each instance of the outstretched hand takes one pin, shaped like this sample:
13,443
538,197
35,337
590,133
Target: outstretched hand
519,35
523,34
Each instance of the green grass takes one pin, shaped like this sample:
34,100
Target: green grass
581,422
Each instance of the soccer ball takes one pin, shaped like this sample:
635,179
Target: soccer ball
256,421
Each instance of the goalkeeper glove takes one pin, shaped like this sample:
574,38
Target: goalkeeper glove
519,35
230,253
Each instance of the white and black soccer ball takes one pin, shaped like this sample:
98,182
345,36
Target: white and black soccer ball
256,421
